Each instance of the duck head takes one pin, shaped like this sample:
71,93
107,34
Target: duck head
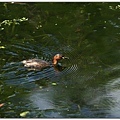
58,57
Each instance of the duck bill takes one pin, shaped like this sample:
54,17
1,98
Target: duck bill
65,57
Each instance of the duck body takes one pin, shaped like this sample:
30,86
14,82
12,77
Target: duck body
41,64
36,63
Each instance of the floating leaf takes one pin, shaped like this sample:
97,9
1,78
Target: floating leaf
40,87
2,47
23,114
54,83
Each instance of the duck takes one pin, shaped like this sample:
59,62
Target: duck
39,64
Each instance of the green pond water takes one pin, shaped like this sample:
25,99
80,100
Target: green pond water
87,33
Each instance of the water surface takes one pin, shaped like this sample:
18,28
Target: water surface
88,33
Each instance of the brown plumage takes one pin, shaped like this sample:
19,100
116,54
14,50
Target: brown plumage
40,64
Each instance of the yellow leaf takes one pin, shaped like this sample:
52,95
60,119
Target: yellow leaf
2,47
54,83
23,114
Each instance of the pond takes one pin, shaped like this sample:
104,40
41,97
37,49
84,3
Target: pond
87,33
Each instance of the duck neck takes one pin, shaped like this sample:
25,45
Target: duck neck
54,62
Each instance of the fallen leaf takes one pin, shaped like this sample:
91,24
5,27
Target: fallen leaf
23,114
2,47
54,83
1,104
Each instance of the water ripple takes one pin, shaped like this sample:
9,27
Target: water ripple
15,73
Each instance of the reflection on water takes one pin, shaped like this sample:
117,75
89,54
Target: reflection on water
115,108
42,99
113,94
